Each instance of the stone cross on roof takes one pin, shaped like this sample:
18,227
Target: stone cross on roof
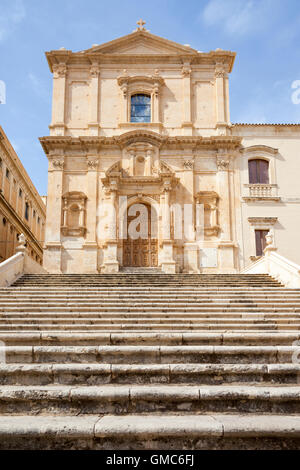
140,24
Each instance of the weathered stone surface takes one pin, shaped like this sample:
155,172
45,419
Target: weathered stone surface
150,376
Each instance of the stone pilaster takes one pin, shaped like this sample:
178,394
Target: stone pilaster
90,245
187,125
221,111
94,100
57,126
168,264
110,262
190,247
52,252
226,245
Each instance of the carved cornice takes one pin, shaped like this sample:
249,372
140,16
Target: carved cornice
206,196
140,135
260,149
262,220
151,80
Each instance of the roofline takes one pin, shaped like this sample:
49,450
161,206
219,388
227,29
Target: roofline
94,54
16,160
174,44
243,124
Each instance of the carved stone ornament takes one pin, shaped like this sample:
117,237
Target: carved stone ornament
164,168
94,70
188,165
220,71
92,164
58,164
154,170
186,70
60,70
222,165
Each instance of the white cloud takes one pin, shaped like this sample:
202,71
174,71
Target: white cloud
239,16
12,13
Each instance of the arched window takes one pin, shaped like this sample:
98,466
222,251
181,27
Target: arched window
258,171
140,108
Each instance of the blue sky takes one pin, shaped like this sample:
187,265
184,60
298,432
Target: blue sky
264,33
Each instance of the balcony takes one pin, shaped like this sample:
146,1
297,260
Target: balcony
261,192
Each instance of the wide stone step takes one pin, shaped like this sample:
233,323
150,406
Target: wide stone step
143,309
152,354
150,303
68,318
144,323
122,399
99,374
157,431
146,298
208,317
84,338
127,290
153,327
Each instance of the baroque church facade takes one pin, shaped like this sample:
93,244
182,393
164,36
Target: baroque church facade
145,121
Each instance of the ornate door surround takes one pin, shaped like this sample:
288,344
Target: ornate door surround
140,252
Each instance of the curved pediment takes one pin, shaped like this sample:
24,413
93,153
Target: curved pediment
140,135
264,149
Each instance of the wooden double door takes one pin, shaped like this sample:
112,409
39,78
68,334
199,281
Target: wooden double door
140,252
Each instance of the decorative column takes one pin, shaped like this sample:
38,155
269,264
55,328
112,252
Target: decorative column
191,247
123,83
226,245
155,97
168,264
220,98
110,263
187,124
227,107
90,245
57,126
94,100
52,252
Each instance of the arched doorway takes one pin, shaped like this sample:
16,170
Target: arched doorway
141,251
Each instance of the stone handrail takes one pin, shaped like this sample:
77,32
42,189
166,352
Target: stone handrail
20,263
11,269
280,268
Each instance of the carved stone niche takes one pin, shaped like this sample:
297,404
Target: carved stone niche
210,200
74,210
141,160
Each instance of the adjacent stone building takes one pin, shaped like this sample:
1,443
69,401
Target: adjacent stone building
21,208
143,120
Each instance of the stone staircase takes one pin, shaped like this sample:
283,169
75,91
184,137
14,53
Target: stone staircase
149,361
